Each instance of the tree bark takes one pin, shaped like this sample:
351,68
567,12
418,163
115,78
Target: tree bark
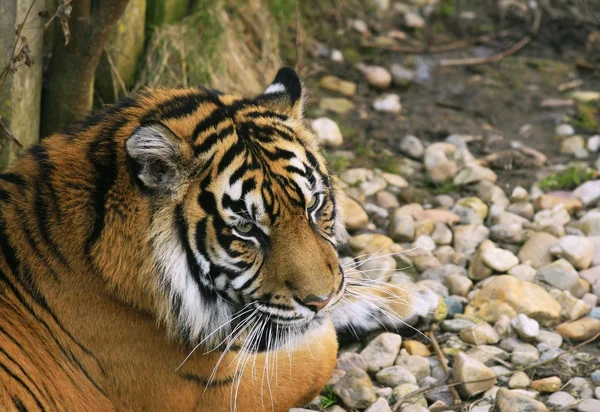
68,92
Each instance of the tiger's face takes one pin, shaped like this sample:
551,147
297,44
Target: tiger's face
246,220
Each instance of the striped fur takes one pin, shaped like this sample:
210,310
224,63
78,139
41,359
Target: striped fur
171,218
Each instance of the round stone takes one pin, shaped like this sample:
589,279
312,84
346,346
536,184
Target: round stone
526,327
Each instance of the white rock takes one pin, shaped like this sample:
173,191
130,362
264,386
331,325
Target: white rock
356,175
413,20
337,56
558,216
564,130
589,192
424,242
526,327
380,405
412,146
500,260
593,143
576,249
328,132
360,26
377,76
388,103
382,351
401,75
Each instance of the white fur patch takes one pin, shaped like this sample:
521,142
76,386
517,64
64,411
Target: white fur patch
275,88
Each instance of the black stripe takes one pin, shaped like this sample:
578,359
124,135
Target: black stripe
12,178
180,106
18,404
20,382
4,195
267,113
10,358
204,382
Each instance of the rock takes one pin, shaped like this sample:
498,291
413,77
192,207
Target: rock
523,209
502,326
507,232
339,105
477,269
519,194
456,325
413,20
355,216
337,56
498,259
387,200
589,405
424,242
425,262
444,201
393,376
578,250
416,348
525,327
412,146
417,365
585,96
437,216
442,235
335,84
360,26
402,76
560,400
524,354
593,143
579,386
491,194
487,354
523,272
572,308
512,401
377,77
356,176
355,389
536,249
336,375
439,168
551,200
328,132
406,388
394,180
382,351
350,360
519,380
473,174
471,210
581,329
564,130
467,369
389,103
380,405
589,192
510,296
572,145
550,339
562,275
468,237
555,216
402,227
480,334
547,385
459,285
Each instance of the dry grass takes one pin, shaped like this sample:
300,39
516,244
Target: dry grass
226,46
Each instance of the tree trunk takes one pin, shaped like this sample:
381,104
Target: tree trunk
68,92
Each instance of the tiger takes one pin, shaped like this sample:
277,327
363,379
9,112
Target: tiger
176,251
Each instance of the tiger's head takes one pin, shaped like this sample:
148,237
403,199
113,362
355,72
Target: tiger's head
245,214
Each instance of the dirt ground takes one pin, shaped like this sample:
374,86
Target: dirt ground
495,103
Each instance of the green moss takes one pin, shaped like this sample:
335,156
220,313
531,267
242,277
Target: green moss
329,398
588,117
337,163
567,179
444,188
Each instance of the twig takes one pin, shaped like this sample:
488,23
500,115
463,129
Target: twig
440,355
525,368
116,75
442,48
471,61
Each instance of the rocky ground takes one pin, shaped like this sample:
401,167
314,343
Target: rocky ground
506,235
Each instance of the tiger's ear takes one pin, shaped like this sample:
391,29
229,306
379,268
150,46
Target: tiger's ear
154,156
285,95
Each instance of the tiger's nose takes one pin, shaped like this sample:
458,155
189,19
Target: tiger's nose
316,303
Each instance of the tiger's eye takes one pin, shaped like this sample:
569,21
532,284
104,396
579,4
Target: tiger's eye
246,228
312,203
